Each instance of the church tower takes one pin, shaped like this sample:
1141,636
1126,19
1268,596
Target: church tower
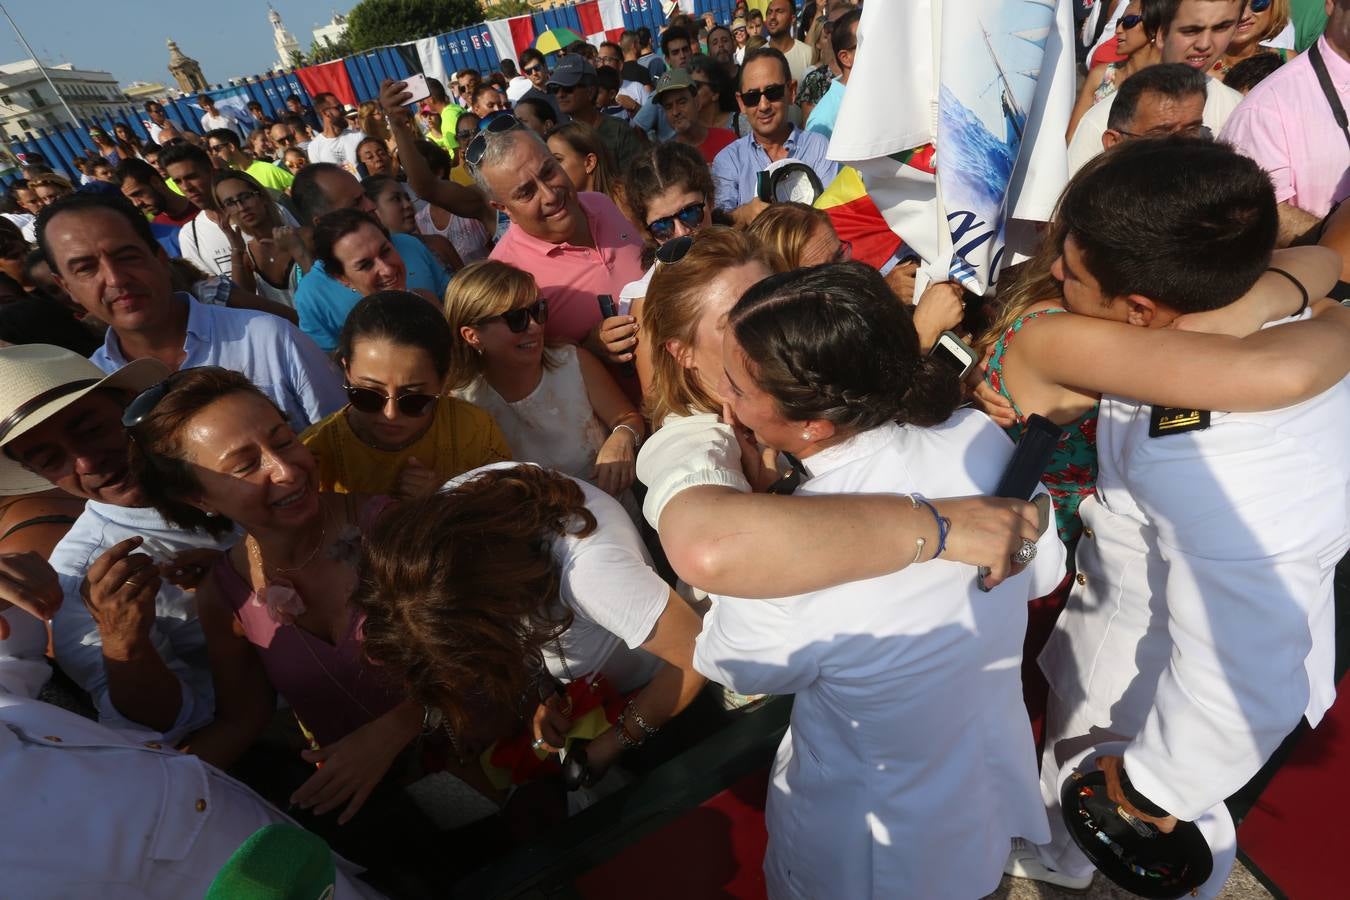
185,70
284,41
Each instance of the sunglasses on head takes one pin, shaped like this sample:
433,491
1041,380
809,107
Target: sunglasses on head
473,154
144,403
1128,22
663,229
370,401
671,252
773,92
518,319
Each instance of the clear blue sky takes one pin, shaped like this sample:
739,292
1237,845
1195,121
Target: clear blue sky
126,37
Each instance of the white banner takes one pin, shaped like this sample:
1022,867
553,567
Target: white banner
433,65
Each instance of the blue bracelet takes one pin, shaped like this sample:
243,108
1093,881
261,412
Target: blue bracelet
944,525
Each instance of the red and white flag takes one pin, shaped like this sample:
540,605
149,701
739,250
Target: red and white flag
511,37
601,20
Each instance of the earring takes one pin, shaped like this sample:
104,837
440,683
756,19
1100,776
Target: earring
806,435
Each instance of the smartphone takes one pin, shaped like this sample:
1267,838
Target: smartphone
417,86
609,311
954,353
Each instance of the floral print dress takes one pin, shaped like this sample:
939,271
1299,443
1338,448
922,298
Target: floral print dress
1072,473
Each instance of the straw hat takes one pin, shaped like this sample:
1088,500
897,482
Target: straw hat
37,381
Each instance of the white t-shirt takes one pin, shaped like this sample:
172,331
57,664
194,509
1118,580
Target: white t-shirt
204,243
340,150
799,61
224,120
1220,101
615,596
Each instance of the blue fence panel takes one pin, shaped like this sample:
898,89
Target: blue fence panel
721,9
469,48
637,13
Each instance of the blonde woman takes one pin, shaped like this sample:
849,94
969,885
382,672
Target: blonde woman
1261,22
558,406
721,537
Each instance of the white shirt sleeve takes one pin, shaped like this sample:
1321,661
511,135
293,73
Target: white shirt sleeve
750,647
688,452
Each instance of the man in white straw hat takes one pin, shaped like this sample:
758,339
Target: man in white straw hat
124,634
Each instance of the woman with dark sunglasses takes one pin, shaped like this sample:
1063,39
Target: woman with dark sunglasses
1135,44
1261,24
558,405
401,433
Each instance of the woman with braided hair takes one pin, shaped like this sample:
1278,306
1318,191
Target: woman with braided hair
909,760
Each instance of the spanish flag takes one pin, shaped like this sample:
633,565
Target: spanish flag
857,220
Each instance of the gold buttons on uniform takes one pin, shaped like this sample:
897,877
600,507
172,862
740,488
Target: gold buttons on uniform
1080,578
201,805
1087,533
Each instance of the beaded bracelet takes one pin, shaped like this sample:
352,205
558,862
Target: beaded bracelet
631,711
944,526
627,740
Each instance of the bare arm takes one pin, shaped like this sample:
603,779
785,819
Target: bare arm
616,460
456,198
244,697
1294,224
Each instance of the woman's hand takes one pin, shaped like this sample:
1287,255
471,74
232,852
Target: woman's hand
351,768
939,309
987,531
616,463
28,582
994,405
550,724
615,339
759,464
416,480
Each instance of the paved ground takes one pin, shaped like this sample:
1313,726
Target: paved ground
1241,886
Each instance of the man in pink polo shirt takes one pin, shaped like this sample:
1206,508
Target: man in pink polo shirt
1287,125
577,246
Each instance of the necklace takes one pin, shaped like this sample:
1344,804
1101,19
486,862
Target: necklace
255,552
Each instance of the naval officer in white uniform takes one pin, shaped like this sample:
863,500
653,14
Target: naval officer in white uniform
909,764
1200,629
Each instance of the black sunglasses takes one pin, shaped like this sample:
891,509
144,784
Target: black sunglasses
370,401
1260,5
663,229
473,154
518,319
671,252
534,69
562,90
1128,22
144,403
774,92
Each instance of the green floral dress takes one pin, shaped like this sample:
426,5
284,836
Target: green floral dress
1072,473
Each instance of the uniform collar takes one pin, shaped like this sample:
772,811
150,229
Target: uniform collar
863,444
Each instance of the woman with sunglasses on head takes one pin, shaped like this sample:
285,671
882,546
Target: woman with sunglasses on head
402,433
395,210
1261,22
276,255
1135,44
558,406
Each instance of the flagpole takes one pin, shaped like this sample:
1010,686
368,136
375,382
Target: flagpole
41,68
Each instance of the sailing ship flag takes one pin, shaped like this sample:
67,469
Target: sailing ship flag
986,84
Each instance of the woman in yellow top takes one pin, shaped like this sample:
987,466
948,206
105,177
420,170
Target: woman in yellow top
401,434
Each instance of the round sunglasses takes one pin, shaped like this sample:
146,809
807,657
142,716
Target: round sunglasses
371,402
518,319
663,229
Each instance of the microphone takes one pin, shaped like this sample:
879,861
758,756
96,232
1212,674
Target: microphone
1023,474
277,862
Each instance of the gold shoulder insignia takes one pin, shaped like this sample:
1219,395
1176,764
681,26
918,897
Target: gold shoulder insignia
1166,420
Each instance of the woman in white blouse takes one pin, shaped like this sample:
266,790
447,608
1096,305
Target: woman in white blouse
909,765
720,536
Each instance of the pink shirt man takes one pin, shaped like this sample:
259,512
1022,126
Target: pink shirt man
570,277
1287,126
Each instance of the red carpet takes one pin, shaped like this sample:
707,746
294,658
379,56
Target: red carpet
720,853
1297,832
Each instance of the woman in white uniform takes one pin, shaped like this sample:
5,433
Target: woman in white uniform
909,765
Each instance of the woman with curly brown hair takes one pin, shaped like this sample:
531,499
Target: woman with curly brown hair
514,579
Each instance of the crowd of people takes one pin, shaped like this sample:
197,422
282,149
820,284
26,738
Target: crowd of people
424,472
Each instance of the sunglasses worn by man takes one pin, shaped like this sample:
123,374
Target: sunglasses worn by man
774,93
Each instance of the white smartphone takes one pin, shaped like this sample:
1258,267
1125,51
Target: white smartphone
953,352
417,86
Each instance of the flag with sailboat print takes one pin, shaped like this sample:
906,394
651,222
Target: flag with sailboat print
969,153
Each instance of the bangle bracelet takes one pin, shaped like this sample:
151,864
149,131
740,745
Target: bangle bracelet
631,711
627,740
1298,284
637,438
944,525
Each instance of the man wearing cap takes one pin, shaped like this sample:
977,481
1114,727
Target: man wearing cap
675,94
123,633
573,84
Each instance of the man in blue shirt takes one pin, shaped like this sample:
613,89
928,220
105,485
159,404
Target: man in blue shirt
322,301
843,43
766,90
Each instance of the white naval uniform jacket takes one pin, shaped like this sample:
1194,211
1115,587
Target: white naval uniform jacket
1202,622
909,763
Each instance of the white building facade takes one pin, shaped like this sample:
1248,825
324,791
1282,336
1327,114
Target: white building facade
27,101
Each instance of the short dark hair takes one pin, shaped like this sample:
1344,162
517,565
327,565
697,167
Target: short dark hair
333,227
1188,222
402,318
252,103
225,135
801,331
436,90
151,104
85,201
764,53
717,28
1251,71
309,197
607,78
644,36
437,157
295,120
319,96
672,34
542,108
368,139
531,55
719,81
1174,80
295,97
841,32
375,185
182,151
138,170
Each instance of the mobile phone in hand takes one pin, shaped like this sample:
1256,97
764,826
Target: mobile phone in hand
608,310
418,87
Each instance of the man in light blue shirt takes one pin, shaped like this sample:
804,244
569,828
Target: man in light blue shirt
323,301
766,90
843,43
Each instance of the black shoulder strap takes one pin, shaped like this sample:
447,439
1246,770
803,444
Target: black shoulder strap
1329,90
